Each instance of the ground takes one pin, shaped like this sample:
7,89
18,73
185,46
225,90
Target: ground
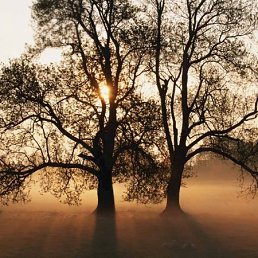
217,223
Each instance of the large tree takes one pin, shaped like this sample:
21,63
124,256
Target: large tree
83,121
206,76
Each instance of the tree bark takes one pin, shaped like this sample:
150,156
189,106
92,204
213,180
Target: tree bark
173,189
106,201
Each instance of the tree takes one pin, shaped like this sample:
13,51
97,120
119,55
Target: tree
206,79
85,118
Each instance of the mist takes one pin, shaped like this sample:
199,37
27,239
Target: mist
219,222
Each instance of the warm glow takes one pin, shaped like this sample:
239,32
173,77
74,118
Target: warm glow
104,92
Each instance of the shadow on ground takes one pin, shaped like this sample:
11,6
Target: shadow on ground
132,235
126,235
104,240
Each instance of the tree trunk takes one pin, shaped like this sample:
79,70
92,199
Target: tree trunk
106,201
173,189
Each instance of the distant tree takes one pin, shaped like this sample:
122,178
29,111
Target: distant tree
206,76
80,123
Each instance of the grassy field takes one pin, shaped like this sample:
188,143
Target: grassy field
61,234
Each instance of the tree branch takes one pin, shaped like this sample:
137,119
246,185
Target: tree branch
228,130
225,155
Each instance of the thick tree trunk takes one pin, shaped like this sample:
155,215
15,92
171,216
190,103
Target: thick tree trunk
173,189
106,201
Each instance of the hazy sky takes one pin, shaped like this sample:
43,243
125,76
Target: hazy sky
16,30
15,27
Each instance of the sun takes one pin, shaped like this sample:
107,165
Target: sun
104,92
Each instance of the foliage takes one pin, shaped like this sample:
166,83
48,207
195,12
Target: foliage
54,119
195,51
206,77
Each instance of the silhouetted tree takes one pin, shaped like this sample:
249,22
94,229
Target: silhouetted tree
57,119
206,76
